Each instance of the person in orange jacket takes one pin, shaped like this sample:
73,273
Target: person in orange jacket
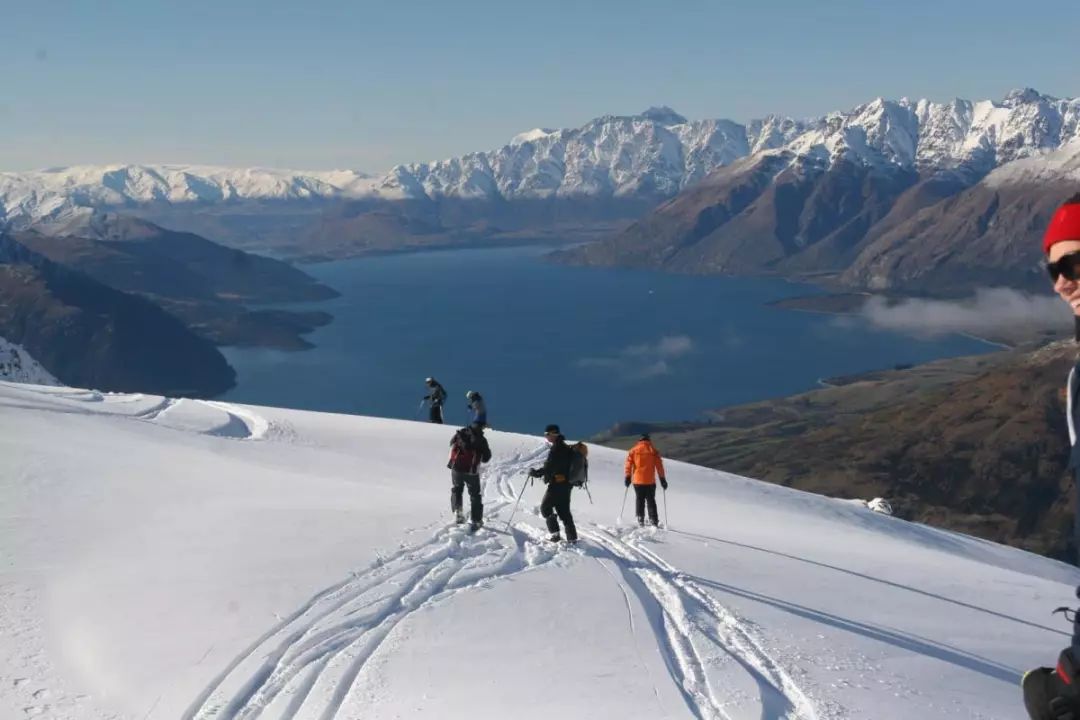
643,465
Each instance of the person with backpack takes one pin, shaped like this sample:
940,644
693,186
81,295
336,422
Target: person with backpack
477,407
556,472
436,397
468,449
643,465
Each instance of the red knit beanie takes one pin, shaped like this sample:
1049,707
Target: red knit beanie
1065,225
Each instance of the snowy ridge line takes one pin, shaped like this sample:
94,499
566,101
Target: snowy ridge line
694,624
656,153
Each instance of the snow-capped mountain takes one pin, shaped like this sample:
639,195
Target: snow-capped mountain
27,197
16,365
971,136
661,152
655,154
169,559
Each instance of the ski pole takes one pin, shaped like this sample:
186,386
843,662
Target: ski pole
666,523
421,407
623,508
587,492
516,502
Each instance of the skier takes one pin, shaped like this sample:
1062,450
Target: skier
1061,244
477,407
436,397
643,464
468,449
556,473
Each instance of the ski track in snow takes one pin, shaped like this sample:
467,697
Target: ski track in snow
310,663
157,410
243,424
693,625
223,419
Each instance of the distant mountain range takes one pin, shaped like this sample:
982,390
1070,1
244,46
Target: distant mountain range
901,196
907,195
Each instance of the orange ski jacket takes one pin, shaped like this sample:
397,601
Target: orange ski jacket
643,464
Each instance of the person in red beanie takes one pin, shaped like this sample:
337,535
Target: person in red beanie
1061,243
1054,693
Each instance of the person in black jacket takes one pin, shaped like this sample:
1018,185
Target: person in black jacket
1061,245
556,473
436,397
1053,693
468,449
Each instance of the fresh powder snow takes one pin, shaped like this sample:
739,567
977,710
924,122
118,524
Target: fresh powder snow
166,559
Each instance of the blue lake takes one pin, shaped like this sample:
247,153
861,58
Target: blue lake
583,347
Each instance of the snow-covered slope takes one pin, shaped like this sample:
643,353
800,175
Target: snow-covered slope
654,154
16,365
185,559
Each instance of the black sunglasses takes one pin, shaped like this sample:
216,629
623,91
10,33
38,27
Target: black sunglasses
1067,265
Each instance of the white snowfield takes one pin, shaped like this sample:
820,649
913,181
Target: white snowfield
178,559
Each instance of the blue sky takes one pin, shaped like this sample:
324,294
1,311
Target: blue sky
366,85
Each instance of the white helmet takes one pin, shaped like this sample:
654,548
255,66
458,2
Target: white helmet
429,380
471,394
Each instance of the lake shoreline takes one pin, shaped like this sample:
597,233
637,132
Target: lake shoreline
543,342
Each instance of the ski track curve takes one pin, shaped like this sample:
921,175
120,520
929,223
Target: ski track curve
241,423
309,664
156,410
244,424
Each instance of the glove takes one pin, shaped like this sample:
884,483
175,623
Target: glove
663,483
626,481
449,466
535,473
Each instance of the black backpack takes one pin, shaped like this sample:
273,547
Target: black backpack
579,466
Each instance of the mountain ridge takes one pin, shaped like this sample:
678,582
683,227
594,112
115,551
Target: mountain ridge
657,153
